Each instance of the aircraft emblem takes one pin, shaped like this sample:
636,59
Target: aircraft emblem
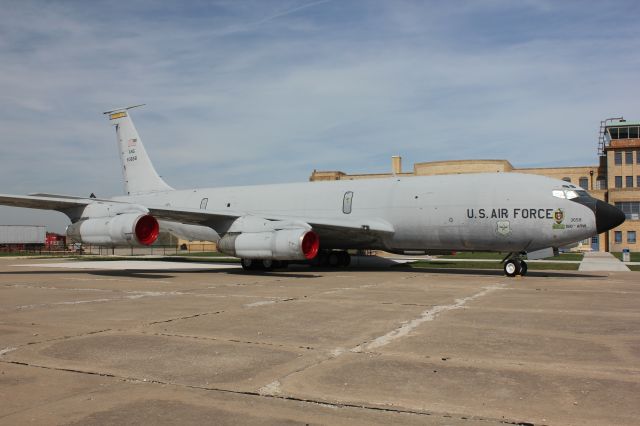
503,227
558,216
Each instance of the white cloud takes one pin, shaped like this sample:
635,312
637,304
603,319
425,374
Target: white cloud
267,91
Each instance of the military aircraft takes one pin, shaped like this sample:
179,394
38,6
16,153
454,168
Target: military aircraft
267,226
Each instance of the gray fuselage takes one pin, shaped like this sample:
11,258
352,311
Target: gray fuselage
494,211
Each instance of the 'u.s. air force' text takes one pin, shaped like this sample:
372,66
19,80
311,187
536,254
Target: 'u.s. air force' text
510,213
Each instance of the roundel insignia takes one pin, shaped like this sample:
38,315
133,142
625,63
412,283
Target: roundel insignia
503,227
558,216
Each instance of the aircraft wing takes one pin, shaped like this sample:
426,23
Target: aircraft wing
43,202
330,229
202,217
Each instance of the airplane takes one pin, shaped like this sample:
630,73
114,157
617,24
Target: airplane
267,226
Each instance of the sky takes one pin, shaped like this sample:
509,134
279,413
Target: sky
266,91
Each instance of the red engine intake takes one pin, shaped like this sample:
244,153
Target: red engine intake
147,230
310,245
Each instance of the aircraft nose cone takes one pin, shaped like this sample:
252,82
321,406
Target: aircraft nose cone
607,216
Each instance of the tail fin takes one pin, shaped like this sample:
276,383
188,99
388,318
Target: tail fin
139,175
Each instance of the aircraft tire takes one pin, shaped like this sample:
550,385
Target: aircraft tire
512,267
344,259
523,268
281,264
322,259
334,259
266,264
247,264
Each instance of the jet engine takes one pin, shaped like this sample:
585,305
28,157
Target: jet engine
285,244
128,229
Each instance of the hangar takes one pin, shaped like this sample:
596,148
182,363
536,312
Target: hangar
615,179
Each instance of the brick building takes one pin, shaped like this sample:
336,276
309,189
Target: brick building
615,179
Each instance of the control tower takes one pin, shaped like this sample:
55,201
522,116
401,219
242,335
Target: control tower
619,150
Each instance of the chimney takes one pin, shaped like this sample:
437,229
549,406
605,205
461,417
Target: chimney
396,164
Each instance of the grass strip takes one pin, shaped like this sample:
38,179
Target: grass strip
499,256
538,266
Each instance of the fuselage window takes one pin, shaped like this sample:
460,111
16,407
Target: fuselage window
203,203
346,202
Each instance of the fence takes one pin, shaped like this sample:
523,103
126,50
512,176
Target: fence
154,250
85,249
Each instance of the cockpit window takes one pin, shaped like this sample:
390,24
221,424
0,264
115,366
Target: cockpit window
569,194
558,193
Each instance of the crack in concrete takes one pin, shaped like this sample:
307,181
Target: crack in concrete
184,318
319,402
127,295
268,302
403,330
428,315
88,333
7,350
248,342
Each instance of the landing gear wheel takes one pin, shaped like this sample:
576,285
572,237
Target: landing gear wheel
334,259
267,264
523,268
281,264
512,267
247,264
344,259
322,259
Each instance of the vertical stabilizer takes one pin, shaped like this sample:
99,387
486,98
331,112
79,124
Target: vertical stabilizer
139,175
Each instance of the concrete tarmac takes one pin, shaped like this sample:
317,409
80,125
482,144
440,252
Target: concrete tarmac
313,346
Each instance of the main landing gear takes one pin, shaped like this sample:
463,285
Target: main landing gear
332,259
514,266
263,264
325,258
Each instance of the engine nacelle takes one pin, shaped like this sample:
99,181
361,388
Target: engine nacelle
129,229
285,244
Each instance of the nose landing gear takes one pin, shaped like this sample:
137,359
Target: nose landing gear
515,266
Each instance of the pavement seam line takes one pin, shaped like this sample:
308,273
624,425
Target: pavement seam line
88,333
184,318
186,336
281,397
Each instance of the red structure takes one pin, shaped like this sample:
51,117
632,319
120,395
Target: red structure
55,241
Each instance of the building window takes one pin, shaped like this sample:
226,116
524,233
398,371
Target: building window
633,132
613,132
618,181
618,237
618,157
628,182
584,183
638,156
638,181
631,237
623,133
601,182
628,157
631,209
566,179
